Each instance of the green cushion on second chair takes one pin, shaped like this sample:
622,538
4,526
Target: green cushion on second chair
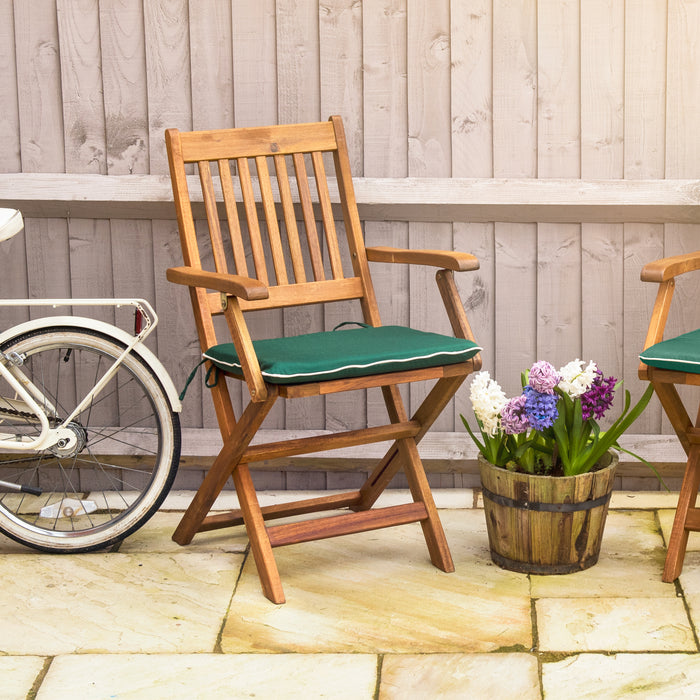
681,353
346,353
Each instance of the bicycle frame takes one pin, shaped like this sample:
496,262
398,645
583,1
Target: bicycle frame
31,400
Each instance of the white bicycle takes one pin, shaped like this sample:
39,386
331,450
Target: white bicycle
89,425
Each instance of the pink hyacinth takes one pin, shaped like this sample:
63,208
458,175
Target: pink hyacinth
543,377
514,420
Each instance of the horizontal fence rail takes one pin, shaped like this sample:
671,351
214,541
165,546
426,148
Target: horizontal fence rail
477,200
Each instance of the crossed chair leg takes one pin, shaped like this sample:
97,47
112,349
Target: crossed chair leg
403,454
687,518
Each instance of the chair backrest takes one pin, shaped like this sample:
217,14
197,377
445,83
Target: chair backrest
299,257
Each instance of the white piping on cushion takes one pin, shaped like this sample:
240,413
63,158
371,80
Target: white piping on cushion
237,365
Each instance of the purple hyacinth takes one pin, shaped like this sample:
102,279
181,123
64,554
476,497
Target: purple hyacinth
543,377
599,398
541,408
514,419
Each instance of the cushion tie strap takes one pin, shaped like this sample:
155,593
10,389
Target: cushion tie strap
207,377
352,323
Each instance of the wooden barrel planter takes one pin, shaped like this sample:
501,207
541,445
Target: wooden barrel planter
546,524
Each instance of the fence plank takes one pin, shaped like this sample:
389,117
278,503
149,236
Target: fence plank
558,247
682,158
340,58
514,156
13,281
81,82
84,124
254,62
682,149
644,149
386,154
299,100
41,142
472,156
169,105
429,155
126,124
211,57
602,138
255,103
10,160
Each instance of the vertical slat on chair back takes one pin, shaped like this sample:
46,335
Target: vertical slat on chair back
267,176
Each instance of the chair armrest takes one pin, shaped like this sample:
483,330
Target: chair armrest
668,268
664,273
448,260
236,285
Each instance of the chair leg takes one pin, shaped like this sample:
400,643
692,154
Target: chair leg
686,502
228,464
427,413
257,535
224,465
433,531
409,458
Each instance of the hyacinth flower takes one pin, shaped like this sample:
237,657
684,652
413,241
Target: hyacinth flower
488,400
578,439
551,427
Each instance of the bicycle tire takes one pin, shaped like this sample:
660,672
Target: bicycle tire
127,464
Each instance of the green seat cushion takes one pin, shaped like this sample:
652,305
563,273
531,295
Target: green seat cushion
341,354
681,353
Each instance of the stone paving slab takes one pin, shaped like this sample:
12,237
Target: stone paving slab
378,593
228,500
666,517
114,602
18,675
456,676
367,616
613,624
211,676
644,500
690,584
156,537
630,564
623,676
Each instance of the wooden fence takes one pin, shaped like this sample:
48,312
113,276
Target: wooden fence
557,140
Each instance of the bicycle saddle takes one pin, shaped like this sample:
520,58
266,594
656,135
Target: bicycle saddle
10,223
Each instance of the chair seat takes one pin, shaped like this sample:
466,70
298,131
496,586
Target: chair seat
681,353
346,353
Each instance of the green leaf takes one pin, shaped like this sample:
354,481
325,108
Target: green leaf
643,461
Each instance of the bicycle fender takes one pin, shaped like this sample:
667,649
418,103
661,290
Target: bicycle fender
113,332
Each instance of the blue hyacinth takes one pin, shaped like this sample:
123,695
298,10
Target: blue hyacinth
541,409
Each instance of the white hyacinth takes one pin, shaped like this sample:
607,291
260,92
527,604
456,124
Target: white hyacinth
575,380
487,399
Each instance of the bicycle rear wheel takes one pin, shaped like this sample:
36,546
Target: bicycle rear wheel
127,452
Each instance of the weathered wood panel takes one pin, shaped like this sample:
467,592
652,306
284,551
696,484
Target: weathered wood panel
125,98
514,156
429,155
13,280
509,92
559,301
644,145
602,139
472,156
385,123
299,100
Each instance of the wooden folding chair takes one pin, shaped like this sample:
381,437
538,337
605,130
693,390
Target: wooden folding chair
289,270
667,363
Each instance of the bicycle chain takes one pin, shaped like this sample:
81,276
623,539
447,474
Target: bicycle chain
53,422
